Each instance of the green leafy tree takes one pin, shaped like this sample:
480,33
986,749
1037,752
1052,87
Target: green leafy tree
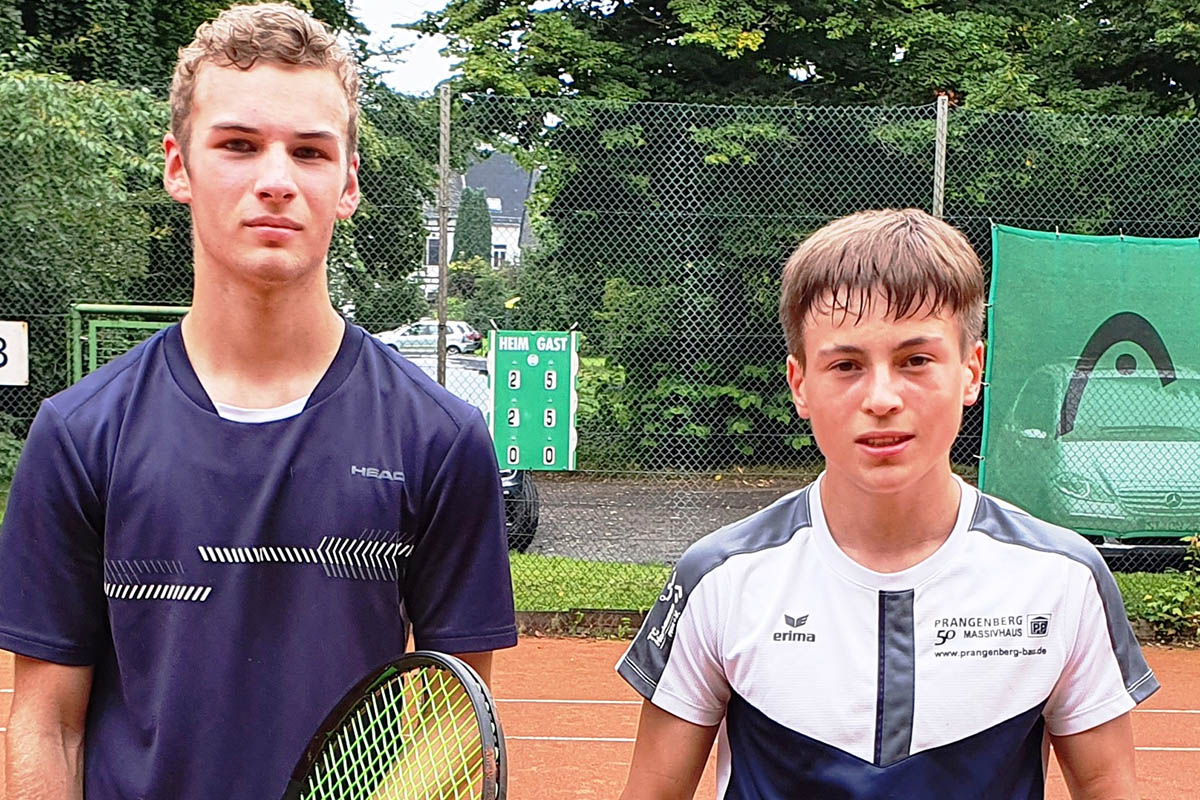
661,228
1121,57
472,227
11,34
130,42
76,217
478,292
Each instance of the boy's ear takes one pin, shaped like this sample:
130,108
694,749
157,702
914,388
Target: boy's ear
348,202
175,177
974,369
795,379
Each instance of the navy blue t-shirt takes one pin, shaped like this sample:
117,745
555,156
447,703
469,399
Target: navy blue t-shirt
230,581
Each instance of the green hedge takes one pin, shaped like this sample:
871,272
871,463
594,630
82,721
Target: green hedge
1170,601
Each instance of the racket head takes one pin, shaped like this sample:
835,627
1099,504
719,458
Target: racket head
427,715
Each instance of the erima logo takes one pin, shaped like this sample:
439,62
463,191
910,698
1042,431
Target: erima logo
378,474
793,635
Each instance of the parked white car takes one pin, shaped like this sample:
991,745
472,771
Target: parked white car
422,336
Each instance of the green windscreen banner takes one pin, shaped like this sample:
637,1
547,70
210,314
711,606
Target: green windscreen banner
1092,415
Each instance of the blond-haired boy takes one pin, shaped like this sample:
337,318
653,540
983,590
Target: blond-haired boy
212,538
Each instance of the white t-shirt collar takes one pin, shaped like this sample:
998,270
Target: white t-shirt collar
850,569
260,415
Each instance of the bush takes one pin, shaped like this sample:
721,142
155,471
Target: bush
477,292
10,453
605,421
1172,606
389,304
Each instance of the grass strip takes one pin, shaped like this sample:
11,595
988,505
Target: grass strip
554,583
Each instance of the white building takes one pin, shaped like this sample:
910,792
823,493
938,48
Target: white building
507,188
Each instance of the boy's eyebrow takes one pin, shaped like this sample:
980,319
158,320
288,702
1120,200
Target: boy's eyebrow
841,349
918,341
238,127
854,350
233,126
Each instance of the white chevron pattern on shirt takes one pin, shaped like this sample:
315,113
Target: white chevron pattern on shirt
342,557
157,591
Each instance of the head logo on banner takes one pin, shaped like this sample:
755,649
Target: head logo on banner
1092,417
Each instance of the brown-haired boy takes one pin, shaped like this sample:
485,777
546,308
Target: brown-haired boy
212,538
888,631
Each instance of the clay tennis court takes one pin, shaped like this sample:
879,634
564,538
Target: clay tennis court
570,722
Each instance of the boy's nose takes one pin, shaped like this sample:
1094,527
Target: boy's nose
882,397
275,182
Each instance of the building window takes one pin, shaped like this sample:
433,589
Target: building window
499,255
432,251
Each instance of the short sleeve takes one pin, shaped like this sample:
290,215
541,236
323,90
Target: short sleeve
1105,674
458,587
52,604
674,660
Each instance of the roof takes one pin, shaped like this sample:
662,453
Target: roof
499,176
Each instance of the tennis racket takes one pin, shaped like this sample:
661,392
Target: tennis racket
424,727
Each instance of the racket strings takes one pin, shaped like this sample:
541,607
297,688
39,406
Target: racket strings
414,738
371,747
355,760
445,759
438,743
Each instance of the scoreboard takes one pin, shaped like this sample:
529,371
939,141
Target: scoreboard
533,381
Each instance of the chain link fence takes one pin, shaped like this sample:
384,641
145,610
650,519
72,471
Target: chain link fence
1113,176
657,230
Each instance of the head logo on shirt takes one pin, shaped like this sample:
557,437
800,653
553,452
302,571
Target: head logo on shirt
378,474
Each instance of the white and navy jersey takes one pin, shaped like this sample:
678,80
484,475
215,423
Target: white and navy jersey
835,681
